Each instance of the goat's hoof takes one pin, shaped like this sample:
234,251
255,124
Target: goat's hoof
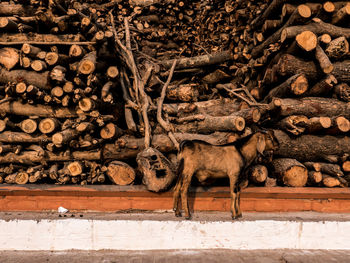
188,217
234,217
239,216
178,214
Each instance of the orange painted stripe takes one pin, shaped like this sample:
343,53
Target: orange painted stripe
111,198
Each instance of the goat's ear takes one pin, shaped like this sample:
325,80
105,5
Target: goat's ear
260,146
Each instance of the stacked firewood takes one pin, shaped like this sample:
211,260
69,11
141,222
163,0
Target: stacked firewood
104,91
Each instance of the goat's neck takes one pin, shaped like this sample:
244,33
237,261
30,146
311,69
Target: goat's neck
248,150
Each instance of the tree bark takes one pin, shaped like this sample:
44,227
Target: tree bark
325,168
311,147
41,80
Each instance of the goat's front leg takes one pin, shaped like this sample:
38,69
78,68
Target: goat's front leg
176,198
233,180
186,181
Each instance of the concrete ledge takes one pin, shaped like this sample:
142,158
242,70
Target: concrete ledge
111,198
128,234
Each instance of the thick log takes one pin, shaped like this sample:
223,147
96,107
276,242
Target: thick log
158,172
129,147
200,61
311,147
339,125
38,65
18,108
120,173
41,39
325,168
337,48
306,40
341,14
17,178
346,166
40,80
290,172
295,85
258,174
30,50
312,106
9,57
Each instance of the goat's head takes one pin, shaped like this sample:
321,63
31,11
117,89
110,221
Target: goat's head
266,141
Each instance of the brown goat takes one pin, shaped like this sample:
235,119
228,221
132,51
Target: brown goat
207,161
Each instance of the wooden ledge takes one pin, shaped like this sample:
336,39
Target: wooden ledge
117,198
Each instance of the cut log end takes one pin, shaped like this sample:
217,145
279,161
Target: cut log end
307,40
48,125
300,85
239,123
86,104
29,126
22,178
75,168
296,176
110,131
112,72
329,7
121,173
342,124
304,11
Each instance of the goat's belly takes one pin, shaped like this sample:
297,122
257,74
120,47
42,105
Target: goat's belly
204,175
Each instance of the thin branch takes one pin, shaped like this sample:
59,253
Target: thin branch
164,124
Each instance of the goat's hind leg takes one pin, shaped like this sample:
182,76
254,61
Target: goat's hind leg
238,202
177,199
233,192
186,181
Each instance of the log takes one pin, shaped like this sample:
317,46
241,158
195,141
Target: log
30,50
346,166
312,106
18,108
323,87
120,173
339,125
19,137
290,172
295,85
40,80
158,172
28,126
311,147
342,91
212,124
199,61
110,131
323,60
270,182
317,124
17,178
10,148
314,178
88,64
337,48
76,51
63,137
330,181
306,40
258,174
222,107
9,57
53,58
48,125
325,168
42,39
38,65
112,72
75,168
86,104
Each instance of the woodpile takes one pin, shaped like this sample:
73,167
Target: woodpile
104,91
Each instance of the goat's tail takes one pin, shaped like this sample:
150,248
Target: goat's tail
180,168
